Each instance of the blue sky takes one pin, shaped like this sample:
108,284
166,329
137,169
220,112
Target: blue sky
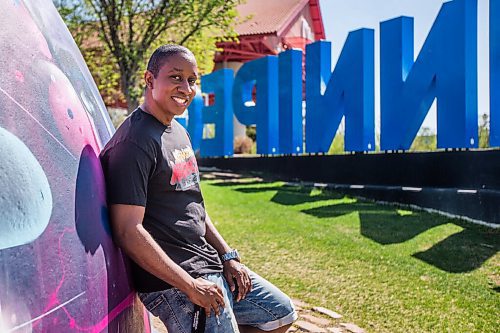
342,16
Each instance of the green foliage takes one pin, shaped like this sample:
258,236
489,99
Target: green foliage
106,74
381,267
484,132
251,132
426,140
337,146
117,37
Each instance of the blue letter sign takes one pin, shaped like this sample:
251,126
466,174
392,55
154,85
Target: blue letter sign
348,91
193,123
221,114
290,102
263,73
446,69
494,73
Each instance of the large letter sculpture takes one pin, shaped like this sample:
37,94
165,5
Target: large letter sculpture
290,102
494,73
193,123
219,83
446,68
349,92
262,73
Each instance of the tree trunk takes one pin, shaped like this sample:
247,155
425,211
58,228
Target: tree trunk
127,89
132,104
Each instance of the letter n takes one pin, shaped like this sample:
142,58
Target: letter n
446,69
348,91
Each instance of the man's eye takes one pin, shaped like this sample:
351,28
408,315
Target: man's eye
192,82
176,77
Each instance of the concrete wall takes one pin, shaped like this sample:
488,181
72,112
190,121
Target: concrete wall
59,269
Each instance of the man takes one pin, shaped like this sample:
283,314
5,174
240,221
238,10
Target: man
181,262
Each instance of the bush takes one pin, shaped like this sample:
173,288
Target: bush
252,133
242,145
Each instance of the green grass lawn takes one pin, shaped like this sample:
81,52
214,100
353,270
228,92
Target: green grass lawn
384,268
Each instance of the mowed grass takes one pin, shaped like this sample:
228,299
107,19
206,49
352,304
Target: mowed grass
384,268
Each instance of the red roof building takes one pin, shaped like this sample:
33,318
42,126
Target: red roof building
270,26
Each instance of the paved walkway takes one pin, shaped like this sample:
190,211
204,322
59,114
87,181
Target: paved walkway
317,319
312,319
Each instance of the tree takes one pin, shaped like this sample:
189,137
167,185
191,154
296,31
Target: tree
126,31
484,131
426,140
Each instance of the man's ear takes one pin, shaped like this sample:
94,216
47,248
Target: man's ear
148,78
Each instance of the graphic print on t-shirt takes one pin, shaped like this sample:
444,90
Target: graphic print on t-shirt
184,169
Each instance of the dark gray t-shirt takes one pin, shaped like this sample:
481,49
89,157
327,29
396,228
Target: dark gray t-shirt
149,164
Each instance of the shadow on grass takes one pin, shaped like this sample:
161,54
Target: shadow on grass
291,195
379,223
462,252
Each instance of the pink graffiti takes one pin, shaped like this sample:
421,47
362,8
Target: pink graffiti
126,303
55,303
147,324
71,119
69,293
30,114
27,30
19,76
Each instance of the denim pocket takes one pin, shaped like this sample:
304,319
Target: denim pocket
179,300
152,300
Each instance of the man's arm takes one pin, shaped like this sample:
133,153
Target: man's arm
137,243
233,270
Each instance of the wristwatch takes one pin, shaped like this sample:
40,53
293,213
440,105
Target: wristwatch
233,254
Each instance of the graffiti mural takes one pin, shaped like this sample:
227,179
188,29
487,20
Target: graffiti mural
59,269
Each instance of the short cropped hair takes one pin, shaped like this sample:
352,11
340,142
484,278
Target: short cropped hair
161,54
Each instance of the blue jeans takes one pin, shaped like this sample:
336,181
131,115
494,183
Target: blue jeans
265,307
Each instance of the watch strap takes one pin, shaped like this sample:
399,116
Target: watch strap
231,255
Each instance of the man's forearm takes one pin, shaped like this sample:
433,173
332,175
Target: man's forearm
143,249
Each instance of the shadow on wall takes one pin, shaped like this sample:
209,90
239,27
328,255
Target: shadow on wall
461,252
93,229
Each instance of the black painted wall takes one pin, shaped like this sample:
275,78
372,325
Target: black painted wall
442,176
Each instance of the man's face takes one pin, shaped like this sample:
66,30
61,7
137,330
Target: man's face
174,87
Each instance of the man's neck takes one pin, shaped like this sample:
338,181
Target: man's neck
155,112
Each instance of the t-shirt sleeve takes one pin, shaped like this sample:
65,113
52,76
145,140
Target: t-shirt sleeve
126,170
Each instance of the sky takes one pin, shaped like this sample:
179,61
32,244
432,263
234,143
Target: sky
342,16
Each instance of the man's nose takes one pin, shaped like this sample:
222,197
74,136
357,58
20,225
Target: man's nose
184,87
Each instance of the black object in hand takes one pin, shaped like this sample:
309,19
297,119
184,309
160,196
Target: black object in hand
199,320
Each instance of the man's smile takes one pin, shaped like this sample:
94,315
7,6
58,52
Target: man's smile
180,100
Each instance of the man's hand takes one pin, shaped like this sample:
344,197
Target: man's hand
233,270
208,295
